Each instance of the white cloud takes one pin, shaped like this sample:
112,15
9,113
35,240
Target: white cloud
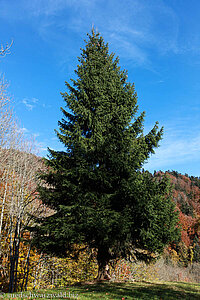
143,24
31,103
28,103
128,49
53,8
35,135
176,150
34,100
23,130
131,29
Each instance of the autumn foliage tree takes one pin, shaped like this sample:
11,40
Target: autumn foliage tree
186,195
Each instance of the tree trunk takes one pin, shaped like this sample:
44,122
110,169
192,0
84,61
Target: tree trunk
103,258
3,205
26,271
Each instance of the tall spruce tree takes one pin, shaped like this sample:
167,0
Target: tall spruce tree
97,190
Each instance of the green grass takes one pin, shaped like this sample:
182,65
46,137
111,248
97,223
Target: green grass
128,291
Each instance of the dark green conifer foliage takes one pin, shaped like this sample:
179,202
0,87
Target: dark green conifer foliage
96,187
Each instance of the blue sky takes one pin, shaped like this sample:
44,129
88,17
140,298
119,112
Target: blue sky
158,42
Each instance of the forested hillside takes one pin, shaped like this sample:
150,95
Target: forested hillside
186,195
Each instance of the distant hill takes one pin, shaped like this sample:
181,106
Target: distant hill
186,195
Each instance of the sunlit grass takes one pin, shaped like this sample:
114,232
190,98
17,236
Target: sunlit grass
128,291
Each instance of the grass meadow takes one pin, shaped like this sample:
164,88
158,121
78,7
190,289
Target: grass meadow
114,291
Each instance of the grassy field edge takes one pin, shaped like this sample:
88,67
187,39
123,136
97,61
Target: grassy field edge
114,291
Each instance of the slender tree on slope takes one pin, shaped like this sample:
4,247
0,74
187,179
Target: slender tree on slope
99,194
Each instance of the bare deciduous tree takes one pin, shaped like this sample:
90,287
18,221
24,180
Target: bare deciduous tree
18,181
5,49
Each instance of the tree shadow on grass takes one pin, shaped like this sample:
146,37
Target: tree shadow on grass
140,291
